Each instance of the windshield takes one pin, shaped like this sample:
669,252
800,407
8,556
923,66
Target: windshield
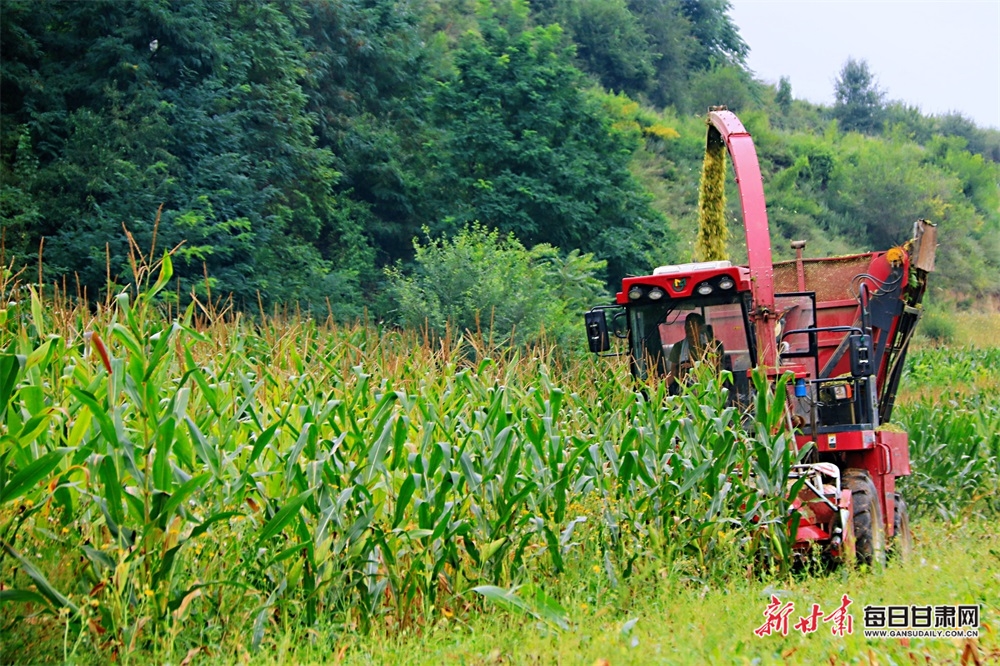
655,328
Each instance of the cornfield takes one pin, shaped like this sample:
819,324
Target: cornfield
177,478
953,418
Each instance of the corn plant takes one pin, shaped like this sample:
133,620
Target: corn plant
186,477
953,420
955,456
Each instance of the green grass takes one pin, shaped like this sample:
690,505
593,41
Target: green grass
979,330
953,564
676,622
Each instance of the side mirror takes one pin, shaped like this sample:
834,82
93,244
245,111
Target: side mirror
861,364
597,331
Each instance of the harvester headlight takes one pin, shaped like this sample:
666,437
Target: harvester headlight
704,289
726,283
655,294
635,293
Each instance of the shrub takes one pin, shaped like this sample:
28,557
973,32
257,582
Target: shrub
938,326
484,282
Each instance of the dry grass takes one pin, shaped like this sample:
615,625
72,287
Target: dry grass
977,329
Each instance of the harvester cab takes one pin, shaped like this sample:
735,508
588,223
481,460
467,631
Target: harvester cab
837,327
652,312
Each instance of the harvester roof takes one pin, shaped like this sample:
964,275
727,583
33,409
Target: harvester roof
685,281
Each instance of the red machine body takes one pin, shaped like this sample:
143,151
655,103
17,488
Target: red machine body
839,325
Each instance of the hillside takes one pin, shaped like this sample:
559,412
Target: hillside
291,151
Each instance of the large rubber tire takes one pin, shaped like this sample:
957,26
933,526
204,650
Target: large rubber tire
901,541
866,517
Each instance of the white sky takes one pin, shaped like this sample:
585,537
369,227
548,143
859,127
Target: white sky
939,55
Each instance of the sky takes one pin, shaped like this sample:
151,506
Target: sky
940,56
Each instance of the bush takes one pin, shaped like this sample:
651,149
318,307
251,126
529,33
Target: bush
484,282
938,326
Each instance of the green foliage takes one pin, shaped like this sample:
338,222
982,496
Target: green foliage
718,37
611,42
982,141
954,428
491,285
186,106
783,96
659,48
977,176
939,326
725,85
882,184
297,148
527,151
859,102
673,48
254,478
849,193
368,79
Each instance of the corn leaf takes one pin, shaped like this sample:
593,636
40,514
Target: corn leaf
283,516
22,482
54,596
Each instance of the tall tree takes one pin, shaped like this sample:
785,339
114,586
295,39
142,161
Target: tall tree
688,38
783,96
368,83
859,101
111,109
718,37
525,150
611,42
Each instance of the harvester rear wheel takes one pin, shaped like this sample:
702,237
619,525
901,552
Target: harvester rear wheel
866,516
901,543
